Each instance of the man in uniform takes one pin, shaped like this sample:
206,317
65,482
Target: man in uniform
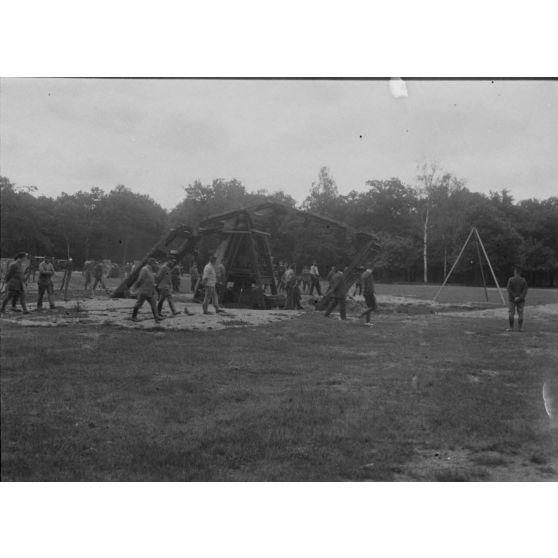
367,286
517,291
164,281
338,292
145,289
15,287
44,283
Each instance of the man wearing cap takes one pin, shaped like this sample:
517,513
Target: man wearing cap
44,283
517,291
15,287
145,289
209,280
164,281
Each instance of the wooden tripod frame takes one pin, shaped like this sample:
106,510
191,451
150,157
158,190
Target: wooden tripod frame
475,232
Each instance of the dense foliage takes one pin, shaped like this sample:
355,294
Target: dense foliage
120,225
422,228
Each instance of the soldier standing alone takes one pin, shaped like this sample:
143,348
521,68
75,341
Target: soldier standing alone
164,279
44,283
517,291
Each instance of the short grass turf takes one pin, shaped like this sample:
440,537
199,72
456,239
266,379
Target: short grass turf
463,294
308,399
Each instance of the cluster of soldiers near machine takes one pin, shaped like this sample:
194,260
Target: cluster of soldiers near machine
240,273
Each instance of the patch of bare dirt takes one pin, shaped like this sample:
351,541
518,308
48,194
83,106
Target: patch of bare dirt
118,312
102,310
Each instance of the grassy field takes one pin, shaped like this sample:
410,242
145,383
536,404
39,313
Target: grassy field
461,294
416,397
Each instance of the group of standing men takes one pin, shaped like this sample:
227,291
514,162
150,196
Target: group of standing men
337,288
309,278
15,283
337,292
291,283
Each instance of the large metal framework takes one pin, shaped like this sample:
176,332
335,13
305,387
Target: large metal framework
245,253
180,241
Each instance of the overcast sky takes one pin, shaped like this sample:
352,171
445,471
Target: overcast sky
157,136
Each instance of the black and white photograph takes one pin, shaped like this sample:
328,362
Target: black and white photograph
279,280
261,298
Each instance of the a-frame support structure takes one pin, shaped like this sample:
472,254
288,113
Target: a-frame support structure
474,232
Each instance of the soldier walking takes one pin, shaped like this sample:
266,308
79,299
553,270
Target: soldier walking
145,289
164,282
338,292
15,283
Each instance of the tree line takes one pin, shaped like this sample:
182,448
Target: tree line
422,228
